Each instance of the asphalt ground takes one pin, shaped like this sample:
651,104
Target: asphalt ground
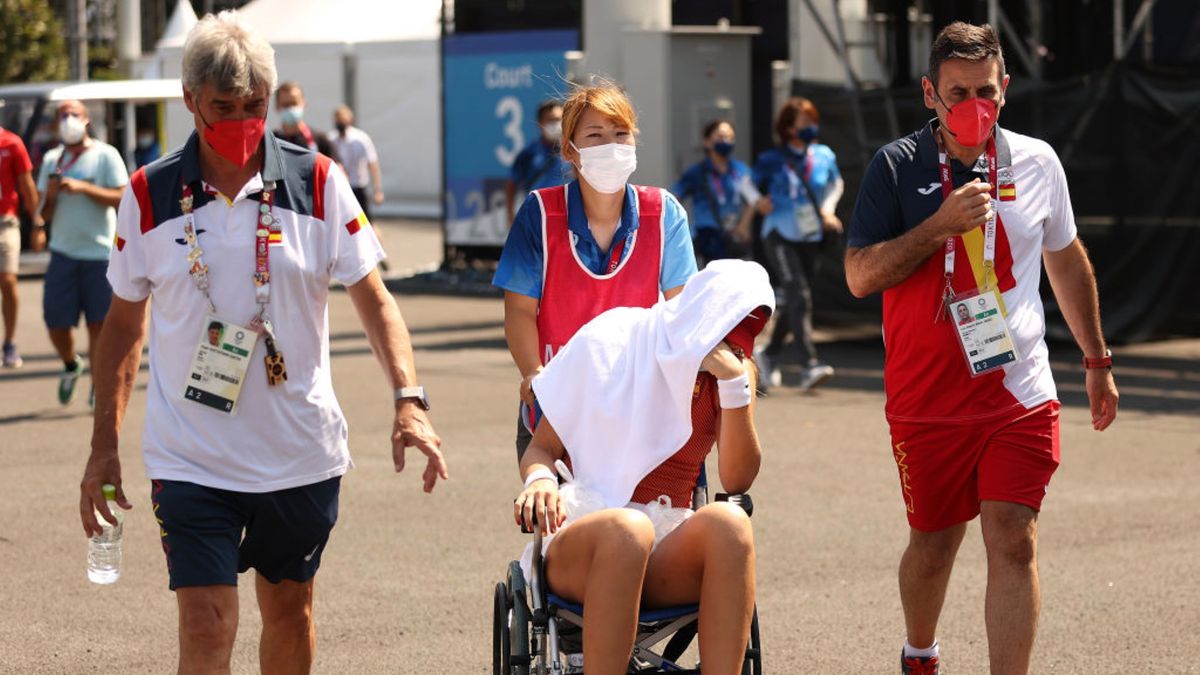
406,583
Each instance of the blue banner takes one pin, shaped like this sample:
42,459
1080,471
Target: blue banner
493,84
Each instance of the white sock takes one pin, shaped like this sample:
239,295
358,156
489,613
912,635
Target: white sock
929,651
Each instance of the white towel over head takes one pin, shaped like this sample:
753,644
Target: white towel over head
619,392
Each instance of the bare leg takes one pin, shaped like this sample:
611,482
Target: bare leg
208,617
63,340
8,298
289,638
600,560
710,559
924,574
1013,594
93,339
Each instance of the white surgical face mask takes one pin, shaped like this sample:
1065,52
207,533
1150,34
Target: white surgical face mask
71,129
553,131
607,167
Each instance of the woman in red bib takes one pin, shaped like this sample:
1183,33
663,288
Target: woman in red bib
596,243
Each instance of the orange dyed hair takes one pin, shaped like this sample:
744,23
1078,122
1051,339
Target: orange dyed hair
788,114
607,99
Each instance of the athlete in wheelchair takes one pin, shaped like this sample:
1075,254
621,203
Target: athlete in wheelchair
627,534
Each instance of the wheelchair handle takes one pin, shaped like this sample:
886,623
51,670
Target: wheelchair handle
743,500
527,528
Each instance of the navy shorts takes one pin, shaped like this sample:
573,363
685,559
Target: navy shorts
75,287
210,536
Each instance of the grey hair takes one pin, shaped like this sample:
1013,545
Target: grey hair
223,52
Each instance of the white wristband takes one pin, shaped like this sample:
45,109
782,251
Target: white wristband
734,393
540,474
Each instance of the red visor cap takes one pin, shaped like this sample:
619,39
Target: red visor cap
741,338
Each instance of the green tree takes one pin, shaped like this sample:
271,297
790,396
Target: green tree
31,42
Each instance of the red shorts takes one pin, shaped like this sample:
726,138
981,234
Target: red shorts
947,469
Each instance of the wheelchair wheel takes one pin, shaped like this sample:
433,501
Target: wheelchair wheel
501,661
753,663
518,617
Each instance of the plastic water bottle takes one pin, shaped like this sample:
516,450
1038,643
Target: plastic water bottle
104,549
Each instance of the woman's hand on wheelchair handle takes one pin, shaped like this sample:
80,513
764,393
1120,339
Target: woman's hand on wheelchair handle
541,498
526,390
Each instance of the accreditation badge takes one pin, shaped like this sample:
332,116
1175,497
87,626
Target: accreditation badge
982,331
729,222
219,367
807,221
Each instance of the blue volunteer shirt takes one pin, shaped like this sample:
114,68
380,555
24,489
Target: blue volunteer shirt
777,174
539,166
710,190
521,264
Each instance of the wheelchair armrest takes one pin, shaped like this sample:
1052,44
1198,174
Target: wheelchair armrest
741,499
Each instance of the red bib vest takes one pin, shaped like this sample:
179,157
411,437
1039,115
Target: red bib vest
572,294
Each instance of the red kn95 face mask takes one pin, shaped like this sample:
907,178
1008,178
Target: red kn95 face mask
235,140
971,121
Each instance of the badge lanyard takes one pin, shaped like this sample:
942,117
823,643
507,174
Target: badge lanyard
60,169
718,187
794,179
989,228
618,250
265,226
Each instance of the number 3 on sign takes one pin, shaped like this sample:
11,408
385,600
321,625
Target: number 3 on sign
510,107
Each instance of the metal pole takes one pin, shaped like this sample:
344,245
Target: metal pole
1118,28
77,38
1139,20
129,34
350,77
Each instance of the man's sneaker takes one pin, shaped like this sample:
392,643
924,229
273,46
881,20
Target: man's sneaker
12,358
67,381
918,665
815,375
768,373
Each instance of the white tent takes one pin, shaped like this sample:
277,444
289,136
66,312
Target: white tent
181,21
383,55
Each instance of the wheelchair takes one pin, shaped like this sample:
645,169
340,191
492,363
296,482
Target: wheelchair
536,632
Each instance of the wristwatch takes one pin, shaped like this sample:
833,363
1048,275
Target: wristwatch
1102,362
415,394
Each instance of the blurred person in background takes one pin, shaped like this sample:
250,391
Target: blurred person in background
540,164
147,149
82,180
722,193
802,184
357,153
289,105
595,243
16,181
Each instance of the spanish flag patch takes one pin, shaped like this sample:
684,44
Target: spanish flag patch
275,238
357,224
1008,192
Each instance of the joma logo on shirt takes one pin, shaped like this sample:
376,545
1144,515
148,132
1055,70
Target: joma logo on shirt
929,190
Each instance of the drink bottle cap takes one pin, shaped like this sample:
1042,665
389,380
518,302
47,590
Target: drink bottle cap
109,490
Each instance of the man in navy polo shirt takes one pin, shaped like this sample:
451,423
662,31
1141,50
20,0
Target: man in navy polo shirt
962,213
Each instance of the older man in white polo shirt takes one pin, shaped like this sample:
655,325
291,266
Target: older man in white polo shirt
236,238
